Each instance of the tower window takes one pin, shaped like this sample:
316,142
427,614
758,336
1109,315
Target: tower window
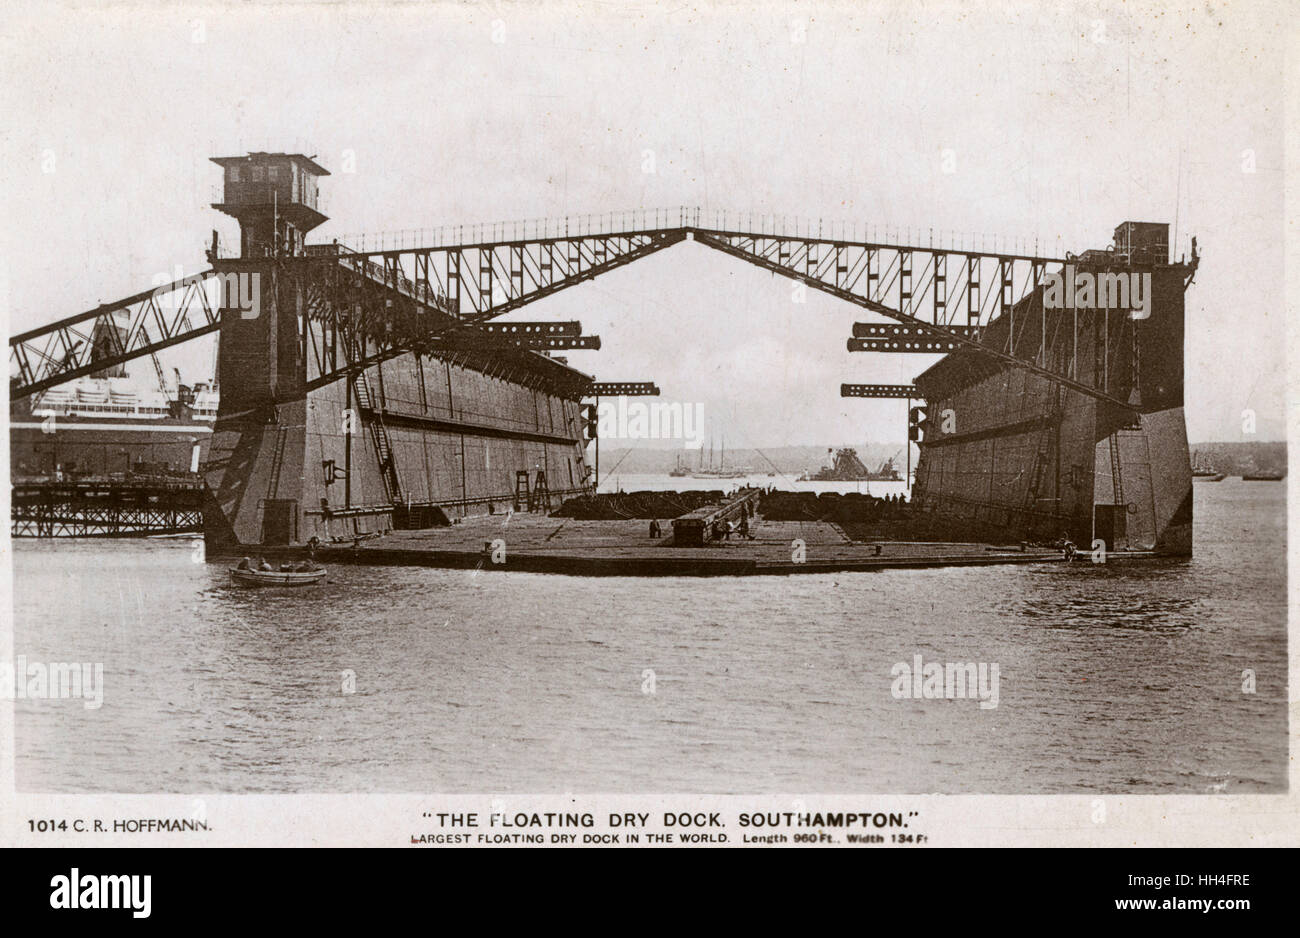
234,174
257,174
272,173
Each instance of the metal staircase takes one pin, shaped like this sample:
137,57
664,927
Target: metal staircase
379,436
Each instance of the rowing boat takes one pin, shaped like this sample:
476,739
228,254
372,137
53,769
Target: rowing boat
277,577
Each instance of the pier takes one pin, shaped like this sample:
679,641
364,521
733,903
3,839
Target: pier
699,527
123,506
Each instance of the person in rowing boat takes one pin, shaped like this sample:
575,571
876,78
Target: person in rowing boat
264,566
245,564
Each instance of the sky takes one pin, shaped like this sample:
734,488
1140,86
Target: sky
1062,120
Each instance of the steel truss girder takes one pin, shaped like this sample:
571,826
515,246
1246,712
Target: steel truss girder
366,309
478,282
370,307
65,350
736,246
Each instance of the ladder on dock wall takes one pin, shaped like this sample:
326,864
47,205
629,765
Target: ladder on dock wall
522,495
530,499
277,461
379,436
541,494
1117,484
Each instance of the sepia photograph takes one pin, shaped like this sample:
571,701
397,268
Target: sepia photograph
703,419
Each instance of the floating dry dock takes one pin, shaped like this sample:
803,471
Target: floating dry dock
367,391
624,548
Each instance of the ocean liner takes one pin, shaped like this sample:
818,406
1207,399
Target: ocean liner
107,424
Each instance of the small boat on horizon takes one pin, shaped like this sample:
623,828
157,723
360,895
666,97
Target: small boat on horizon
721,472
1252,473
1263,475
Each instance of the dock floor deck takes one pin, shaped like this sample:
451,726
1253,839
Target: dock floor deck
625,548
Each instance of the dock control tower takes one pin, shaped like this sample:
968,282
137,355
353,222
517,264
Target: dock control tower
273,196
322,429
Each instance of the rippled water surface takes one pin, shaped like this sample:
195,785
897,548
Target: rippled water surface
1112,677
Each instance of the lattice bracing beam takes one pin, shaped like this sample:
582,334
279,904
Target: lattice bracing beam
516,328
623,389
114,333
547,343
878,330
907,391
928,346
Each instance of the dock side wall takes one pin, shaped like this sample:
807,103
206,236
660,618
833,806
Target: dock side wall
285,464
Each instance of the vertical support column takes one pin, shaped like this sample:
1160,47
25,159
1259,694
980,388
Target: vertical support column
972,290
1036,277
453,281
907,479
516,272
485,278
422,278
1005,307
940,288
546,264
905,282
574,259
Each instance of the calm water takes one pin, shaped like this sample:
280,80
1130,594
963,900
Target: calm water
1112,677
621,482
